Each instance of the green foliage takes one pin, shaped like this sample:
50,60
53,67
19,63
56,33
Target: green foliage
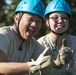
7,11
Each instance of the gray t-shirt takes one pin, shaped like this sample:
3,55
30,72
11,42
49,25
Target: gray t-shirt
46,41
10,43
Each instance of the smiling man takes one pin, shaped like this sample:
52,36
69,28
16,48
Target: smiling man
17,44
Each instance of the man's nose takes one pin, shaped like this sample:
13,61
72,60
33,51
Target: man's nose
34,23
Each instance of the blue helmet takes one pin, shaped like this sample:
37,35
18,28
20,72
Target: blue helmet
31,6
58,6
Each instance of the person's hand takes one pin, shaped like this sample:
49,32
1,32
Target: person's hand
43,57
42,62
65,53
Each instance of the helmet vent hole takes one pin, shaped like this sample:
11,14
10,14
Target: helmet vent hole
24,2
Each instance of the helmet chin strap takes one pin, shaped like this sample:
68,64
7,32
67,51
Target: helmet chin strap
58,33
17,25
18,32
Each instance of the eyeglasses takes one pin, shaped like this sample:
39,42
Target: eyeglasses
56,18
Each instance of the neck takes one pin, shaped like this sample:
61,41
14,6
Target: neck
57,39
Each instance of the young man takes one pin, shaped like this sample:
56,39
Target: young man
62,46
17,45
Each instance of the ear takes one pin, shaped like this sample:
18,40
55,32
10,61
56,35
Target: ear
47,22
16,18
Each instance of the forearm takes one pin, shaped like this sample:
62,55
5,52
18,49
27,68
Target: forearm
14,68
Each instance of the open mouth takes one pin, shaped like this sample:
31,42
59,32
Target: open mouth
31,30
59,26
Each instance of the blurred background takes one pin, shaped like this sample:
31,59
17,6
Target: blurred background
7,8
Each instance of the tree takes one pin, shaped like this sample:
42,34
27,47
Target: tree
7,12
2,4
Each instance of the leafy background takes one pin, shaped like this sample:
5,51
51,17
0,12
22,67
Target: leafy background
7,11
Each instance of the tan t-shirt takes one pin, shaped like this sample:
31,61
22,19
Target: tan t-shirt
10,43
46,41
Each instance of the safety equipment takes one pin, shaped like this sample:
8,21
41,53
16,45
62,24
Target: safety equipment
58,6
32,6
42,62
65,53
